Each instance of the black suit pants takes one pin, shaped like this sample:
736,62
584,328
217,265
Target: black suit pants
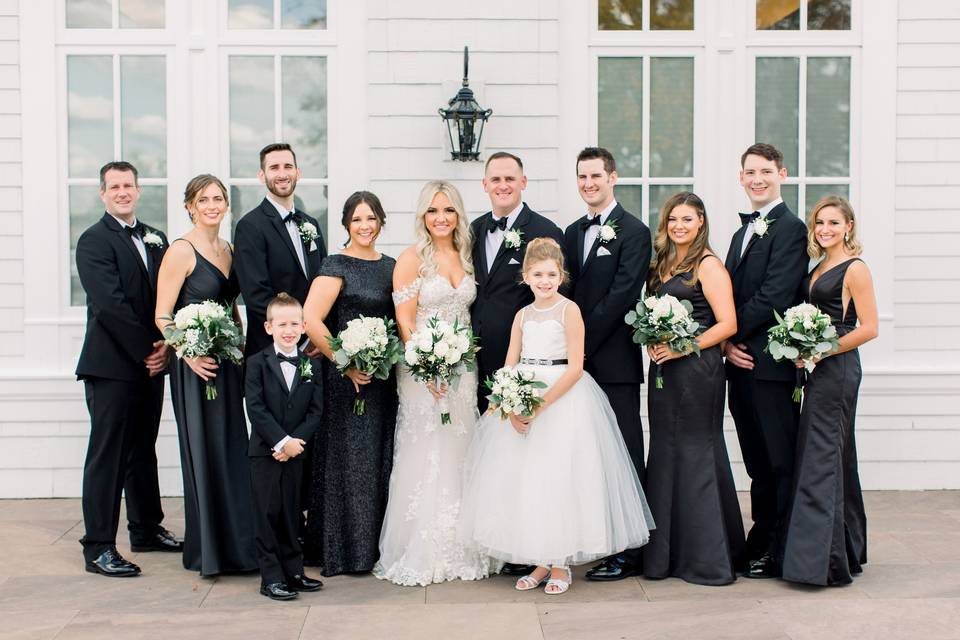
121,459
766,418
276,517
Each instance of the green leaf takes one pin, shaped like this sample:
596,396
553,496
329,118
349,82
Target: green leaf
790,353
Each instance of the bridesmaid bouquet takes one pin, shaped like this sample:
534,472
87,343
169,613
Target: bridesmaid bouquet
514,392
802,333
440,353
205,329
369,345
664,319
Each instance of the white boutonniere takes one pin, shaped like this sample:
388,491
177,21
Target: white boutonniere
513,239
761,225
152,239
308,234
306,370
608,232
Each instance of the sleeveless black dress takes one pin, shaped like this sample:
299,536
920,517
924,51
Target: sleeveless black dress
353,455
826,540
213,447
699,536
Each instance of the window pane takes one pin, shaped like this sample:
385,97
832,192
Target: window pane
251,112
828,116
303,14
250,14
85,209
312,198
778,15
778,107
305,112
630,197
243,198
89,14
660,193
143,109
789,194
620,15
620,112
671,117
671,14
152,206
817,191
89,114
828,15
142,14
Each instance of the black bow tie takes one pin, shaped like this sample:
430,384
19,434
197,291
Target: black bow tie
294,360
589,222
134,231
294,216
493,224
747,218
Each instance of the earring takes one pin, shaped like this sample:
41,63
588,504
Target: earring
846,237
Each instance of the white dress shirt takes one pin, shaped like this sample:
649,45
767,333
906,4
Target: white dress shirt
495,239
137,240
749,232
590,235
294,233
289,371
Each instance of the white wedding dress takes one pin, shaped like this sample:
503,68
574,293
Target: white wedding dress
418,541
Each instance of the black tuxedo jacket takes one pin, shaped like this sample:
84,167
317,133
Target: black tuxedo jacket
606,287
768,276
266,263
274,411
500,288
121,301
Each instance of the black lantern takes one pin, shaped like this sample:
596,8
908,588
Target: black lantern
462,116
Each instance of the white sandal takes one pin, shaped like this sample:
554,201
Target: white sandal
528,582
559,586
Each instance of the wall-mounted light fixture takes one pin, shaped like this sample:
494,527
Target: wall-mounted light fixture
462,116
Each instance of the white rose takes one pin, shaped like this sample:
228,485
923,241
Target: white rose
760,226
650,302
607,233
661,309
453,356
441,348
410,357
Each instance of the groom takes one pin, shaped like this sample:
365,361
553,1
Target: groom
122,364
609,255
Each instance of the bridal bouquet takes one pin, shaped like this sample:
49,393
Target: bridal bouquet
440,353
205,329
802,333
369,345
514,392
664,319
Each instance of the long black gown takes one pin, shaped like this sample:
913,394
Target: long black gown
826,540
353,455
213,448
699,535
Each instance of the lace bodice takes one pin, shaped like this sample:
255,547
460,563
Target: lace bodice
438,298
544,335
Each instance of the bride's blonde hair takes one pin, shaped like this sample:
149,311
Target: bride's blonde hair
462,240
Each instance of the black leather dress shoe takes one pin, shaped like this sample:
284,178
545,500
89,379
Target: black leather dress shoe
277,591
765,567
303,583
162,540
612,569
511,569
110,563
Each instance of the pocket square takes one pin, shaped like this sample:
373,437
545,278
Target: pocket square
513,261
603,251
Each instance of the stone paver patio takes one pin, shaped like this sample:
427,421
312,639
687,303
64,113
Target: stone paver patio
910,589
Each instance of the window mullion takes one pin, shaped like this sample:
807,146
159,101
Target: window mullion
802,132
645,136
277,17
115,14
645,13
277,97
117,115
803,16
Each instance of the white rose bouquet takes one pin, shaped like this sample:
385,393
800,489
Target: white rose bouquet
803,333
369,345
205,329
664,319
440,353
514,392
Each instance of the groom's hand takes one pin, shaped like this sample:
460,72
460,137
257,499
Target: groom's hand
737,355
157,361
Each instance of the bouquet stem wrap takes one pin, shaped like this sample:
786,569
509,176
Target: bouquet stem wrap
442,404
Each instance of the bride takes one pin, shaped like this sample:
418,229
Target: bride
434,277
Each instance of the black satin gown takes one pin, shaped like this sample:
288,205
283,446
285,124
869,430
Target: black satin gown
699,536
353,455
826,540
213,448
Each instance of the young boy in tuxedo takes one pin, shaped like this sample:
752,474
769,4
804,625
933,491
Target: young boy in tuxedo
284,403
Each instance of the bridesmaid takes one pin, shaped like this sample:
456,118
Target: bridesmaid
699,535
213,433
827,532
353,454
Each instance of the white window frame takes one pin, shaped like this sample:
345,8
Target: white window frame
803,36
646,35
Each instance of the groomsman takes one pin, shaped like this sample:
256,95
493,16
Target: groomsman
500,239
767,260
278,247
609,254
122,364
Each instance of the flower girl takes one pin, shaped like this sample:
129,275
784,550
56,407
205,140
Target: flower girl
558,488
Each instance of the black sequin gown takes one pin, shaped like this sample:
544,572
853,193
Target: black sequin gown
353,454
213,447
826,540
690,489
